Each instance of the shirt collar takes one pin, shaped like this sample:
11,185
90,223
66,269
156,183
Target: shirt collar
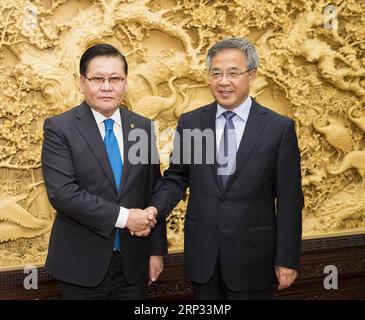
100,118
242,110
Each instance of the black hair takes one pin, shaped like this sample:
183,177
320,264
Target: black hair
101,50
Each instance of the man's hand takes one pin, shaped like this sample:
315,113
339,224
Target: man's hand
285,276
143,233
138,221
156,267
151,216
151,213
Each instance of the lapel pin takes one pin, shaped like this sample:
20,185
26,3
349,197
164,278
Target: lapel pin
132,125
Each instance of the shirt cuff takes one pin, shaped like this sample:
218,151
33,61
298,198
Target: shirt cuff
122,218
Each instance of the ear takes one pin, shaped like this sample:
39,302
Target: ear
252,76
82,84
126,85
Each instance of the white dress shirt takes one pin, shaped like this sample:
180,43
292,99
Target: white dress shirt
117,129
239,121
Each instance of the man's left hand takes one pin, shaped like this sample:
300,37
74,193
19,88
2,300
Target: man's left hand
143,233
156,267
285,276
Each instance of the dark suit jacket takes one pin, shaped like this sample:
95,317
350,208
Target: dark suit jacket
81,187
253,223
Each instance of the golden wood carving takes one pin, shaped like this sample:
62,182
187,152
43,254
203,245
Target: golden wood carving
312,69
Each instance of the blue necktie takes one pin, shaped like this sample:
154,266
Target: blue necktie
115,160
227,149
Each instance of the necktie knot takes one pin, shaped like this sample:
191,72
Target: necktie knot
229,115
108,123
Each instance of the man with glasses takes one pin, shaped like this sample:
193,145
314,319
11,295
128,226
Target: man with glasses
243,220
95,187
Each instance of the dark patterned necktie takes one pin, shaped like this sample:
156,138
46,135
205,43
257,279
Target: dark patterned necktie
227,149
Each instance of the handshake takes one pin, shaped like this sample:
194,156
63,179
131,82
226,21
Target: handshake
140,222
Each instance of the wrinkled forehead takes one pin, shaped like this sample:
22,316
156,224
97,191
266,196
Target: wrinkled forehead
229,59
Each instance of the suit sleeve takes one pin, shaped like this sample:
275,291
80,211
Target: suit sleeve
172,186
64,193
289,200
158,234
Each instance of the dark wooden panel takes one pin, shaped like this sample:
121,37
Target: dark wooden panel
346,253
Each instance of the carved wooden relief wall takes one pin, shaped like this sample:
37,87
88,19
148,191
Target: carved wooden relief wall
312,70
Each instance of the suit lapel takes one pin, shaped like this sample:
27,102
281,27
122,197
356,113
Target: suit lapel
254,126
208,122
88,128
127,124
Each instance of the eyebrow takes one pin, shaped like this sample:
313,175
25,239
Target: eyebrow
113,74
229,69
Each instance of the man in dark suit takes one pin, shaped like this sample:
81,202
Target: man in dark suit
94,185
243,219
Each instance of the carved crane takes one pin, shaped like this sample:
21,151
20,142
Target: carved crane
356,118
17,222
352,160
151,106
336,134
179,109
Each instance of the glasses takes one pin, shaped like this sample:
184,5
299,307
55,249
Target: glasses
217,75
113,81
